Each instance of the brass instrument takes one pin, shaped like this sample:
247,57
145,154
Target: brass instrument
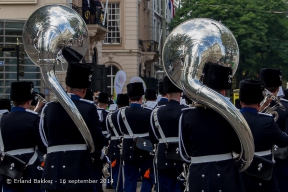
40,100
271,109
184,176
105,171
186,50
46,32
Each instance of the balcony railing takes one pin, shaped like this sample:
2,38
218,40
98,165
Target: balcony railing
148,46
88,16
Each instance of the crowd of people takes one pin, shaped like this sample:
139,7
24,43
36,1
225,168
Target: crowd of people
171,147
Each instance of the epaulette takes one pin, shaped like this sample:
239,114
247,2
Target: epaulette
148,108
185,105
284,100
158,106
266,114
186,109
87,101
30,111
4,111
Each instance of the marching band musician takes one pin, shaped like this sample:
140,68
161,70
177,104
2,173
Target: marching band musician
265,133
164,130
150,97
115,142
210,140
103,100
67,156
134,123
20,134
164,98
272,79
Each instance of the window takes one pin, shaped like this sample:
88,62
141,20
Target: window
9,32
113,24
111,73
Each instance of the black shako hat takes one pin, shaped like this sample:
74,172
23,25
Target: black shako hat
251,91
217,76
5,104
71,56
161,88
271,77
122,99
79,75
150,94
21,91
169,87
135,89
103,98
89,95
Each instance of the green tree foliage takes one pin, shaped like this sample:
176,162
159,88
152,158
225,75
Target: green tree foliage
260,27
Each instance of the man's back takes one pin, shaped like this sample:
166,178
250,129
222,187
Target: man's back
139,122
23,126
205,133
61,130
265,133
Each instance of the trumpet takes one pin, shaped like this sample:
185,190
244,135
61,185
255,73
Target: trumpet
40,100
270,109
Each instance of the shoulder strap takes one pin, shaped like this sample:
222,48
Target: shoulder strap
1,139
181,143
157,125
126,122
112,125
32,159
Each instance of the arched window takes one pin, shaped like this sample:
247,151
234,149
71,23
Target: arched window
111,73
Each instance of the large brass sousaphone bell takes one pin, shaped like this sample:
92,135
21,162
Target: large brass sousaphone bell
46,32
186,50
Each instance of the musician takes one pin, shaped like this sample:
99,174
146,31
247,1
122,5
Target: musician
115,142
150,97
103,101
67,154
20,134
164,98
264,130
5,104
209,140
272,79
134,122
168,118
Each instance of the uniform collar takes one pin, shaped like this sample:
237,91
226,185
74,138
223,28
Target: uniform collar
164,99
249,110
17,109
74,96
135,105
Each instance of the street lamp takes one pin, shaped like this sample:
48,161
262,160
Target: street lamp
159,76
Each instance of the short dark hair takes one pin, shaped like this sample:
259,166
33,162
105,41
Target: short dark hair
136,98
18,103
272,89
